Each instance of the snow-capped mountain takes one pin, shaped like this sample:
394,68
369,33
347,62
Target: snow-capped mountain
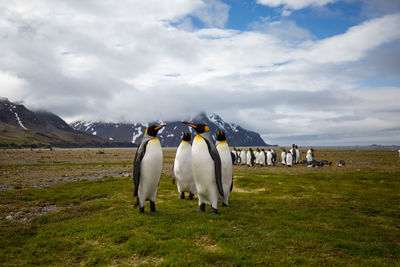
170,135
21,127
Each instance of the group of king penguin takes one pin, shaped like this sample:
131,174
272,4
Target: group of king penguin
204,167
252,157
290,157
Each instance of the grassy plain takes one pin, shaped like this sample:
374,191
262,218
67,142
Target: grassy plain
75,207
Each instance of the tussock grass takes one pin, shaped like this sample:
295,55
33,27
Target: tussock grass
277,216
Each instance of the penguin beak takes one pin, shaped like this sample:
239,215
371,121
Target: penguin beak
159,127
190,124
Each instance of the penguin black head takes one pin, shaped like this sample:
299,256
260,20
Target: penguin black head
152,130
221,136
199,127
186,137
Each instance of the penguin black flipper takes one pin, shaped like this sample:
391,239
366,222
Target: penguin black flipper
217,165
136,170
231,185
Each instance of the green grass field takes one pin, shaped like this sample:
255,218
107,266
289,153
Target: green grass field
277,215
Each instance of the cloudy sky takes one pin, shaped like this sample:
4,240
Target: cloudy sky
311,72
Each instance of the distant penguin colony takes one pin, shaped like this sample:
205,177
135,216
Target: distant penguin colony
204,167
147,168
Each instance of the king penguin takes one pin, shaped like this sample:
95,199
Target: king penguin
310,155
293,151
289,158
257,155
183,171
206,164
283,156
297,154
273,157
250,157
269,158
243,157
226,166
147,168
262,157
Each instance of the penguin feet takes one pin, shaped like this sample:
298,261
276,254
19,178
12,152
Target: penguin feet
141,210
202,208
214,212
182,195
224,205
153,207
191,195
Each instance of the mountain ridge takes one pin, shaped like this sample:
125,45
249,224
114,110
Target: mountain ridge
21,127
170,135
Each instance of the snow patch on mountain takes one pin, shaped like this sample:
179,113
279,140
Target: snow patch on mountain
136,133
17,117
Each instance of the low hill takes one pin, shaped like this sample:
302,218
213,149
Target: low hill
21,127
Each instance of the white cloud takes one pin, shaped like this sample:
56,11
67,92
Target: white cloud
294,4
125,61
357,41
213,13
12,86
290,5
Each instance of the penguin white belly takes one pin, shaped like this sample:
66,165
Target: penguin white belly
309,157
243,157
257,155
204,173
183,168
289,159
226,169
297,156
151,166
262,158
248,156
283,156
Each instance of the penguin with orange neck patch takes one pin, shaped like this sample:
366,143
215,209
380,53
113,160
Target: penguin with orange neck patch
226,166
147,168
206,164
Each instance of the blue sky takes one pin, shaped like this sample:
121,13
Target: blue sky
311,72
322,22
